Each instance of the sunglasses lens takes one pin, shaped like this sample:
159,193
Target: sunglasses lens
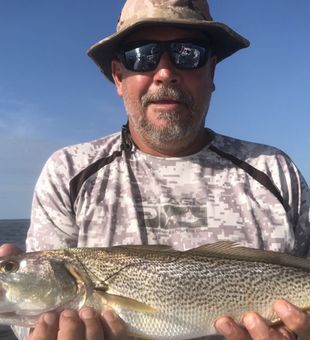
143,58
188,56
184,55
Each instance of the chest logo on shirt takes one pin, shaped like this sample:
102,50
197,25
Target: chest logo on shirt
188,212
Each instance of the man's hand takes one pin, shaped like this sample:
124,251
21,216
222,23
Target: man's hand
295,322
83,325
9,249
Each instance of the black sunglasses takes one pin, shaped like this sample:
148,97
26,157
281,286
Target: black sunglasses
185,54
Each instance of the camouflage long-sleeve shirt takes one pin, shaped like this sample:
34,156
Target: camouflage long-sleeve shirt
92,194
181,201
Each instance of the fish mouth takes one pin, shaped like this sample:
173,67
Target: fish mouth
8,315
12,318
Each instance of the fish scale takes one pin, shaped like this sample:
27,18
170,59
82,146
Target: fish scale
159,292
193,289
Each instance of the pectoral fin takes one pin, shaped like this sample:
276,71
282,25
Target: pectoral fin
125,302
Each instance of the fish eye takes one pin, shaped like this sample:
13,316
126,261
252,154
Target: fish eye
9,266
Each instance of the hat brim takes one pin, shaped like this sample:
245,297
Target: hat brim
224,40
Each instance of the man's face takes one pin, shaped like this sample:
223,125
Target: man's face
167,106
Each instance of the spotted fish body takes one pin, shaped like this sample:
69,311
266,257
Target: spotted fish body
159,292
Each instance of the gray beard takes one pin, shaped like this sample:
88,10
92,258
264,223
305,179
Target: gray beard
177,127
173,132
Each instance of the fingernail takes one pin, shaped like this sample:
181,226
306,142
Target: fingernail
109,315
50,318
3,246
224,326
2,249
250,321
282,308
69,313
88,313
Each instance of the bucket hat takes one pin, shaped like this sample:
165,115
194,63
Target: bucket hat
191,14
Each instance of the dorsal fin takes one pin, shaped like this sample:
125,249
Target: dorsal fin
221,249
146,248
232,250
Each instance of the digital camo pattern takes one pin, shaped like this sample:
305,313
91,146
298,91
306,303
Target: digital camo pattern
170,9
183,202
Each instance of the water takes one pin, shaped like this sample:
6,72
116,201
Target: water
12,231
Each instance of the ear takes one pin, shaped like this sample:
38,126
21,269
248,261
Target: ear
117,74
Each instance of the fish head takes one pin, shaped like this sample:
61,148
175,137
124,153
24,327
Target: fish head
30,284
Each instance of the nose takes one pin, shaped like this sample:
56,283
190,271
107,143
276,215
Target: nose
166,72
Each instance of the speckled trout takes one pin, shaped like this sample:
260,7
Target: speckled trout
159,292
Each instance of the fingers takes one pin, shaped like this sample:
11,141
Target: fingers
7,249
258,329
227,327
114,327
70,326
255,327
92,323
294,319
46,328
67,327
83,325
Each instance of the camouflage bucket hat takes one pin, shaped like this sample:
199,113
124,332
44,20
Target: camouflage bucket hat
191,14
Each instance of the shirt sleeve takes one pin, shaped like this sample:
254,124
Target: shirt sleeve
53,222
296,192
302,217
52,219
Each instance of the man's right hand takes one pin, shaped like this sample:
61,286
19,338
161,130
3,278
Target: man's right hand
8,249
86,324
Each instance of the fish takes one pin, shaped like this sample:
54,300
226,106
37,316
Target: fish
159,292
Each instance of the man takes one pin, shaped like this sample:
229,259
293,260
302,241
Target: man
166,178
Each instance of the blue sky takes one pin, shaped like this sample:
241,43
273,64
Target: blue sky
52,95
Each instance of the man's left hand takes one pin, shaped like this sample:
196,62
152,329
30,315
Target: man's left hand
295,322
86,324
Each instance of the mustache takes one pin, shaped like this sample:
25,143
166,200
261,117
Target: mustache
167,93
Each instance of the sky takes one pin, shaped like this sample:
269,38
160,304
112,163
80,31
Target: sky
53,95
